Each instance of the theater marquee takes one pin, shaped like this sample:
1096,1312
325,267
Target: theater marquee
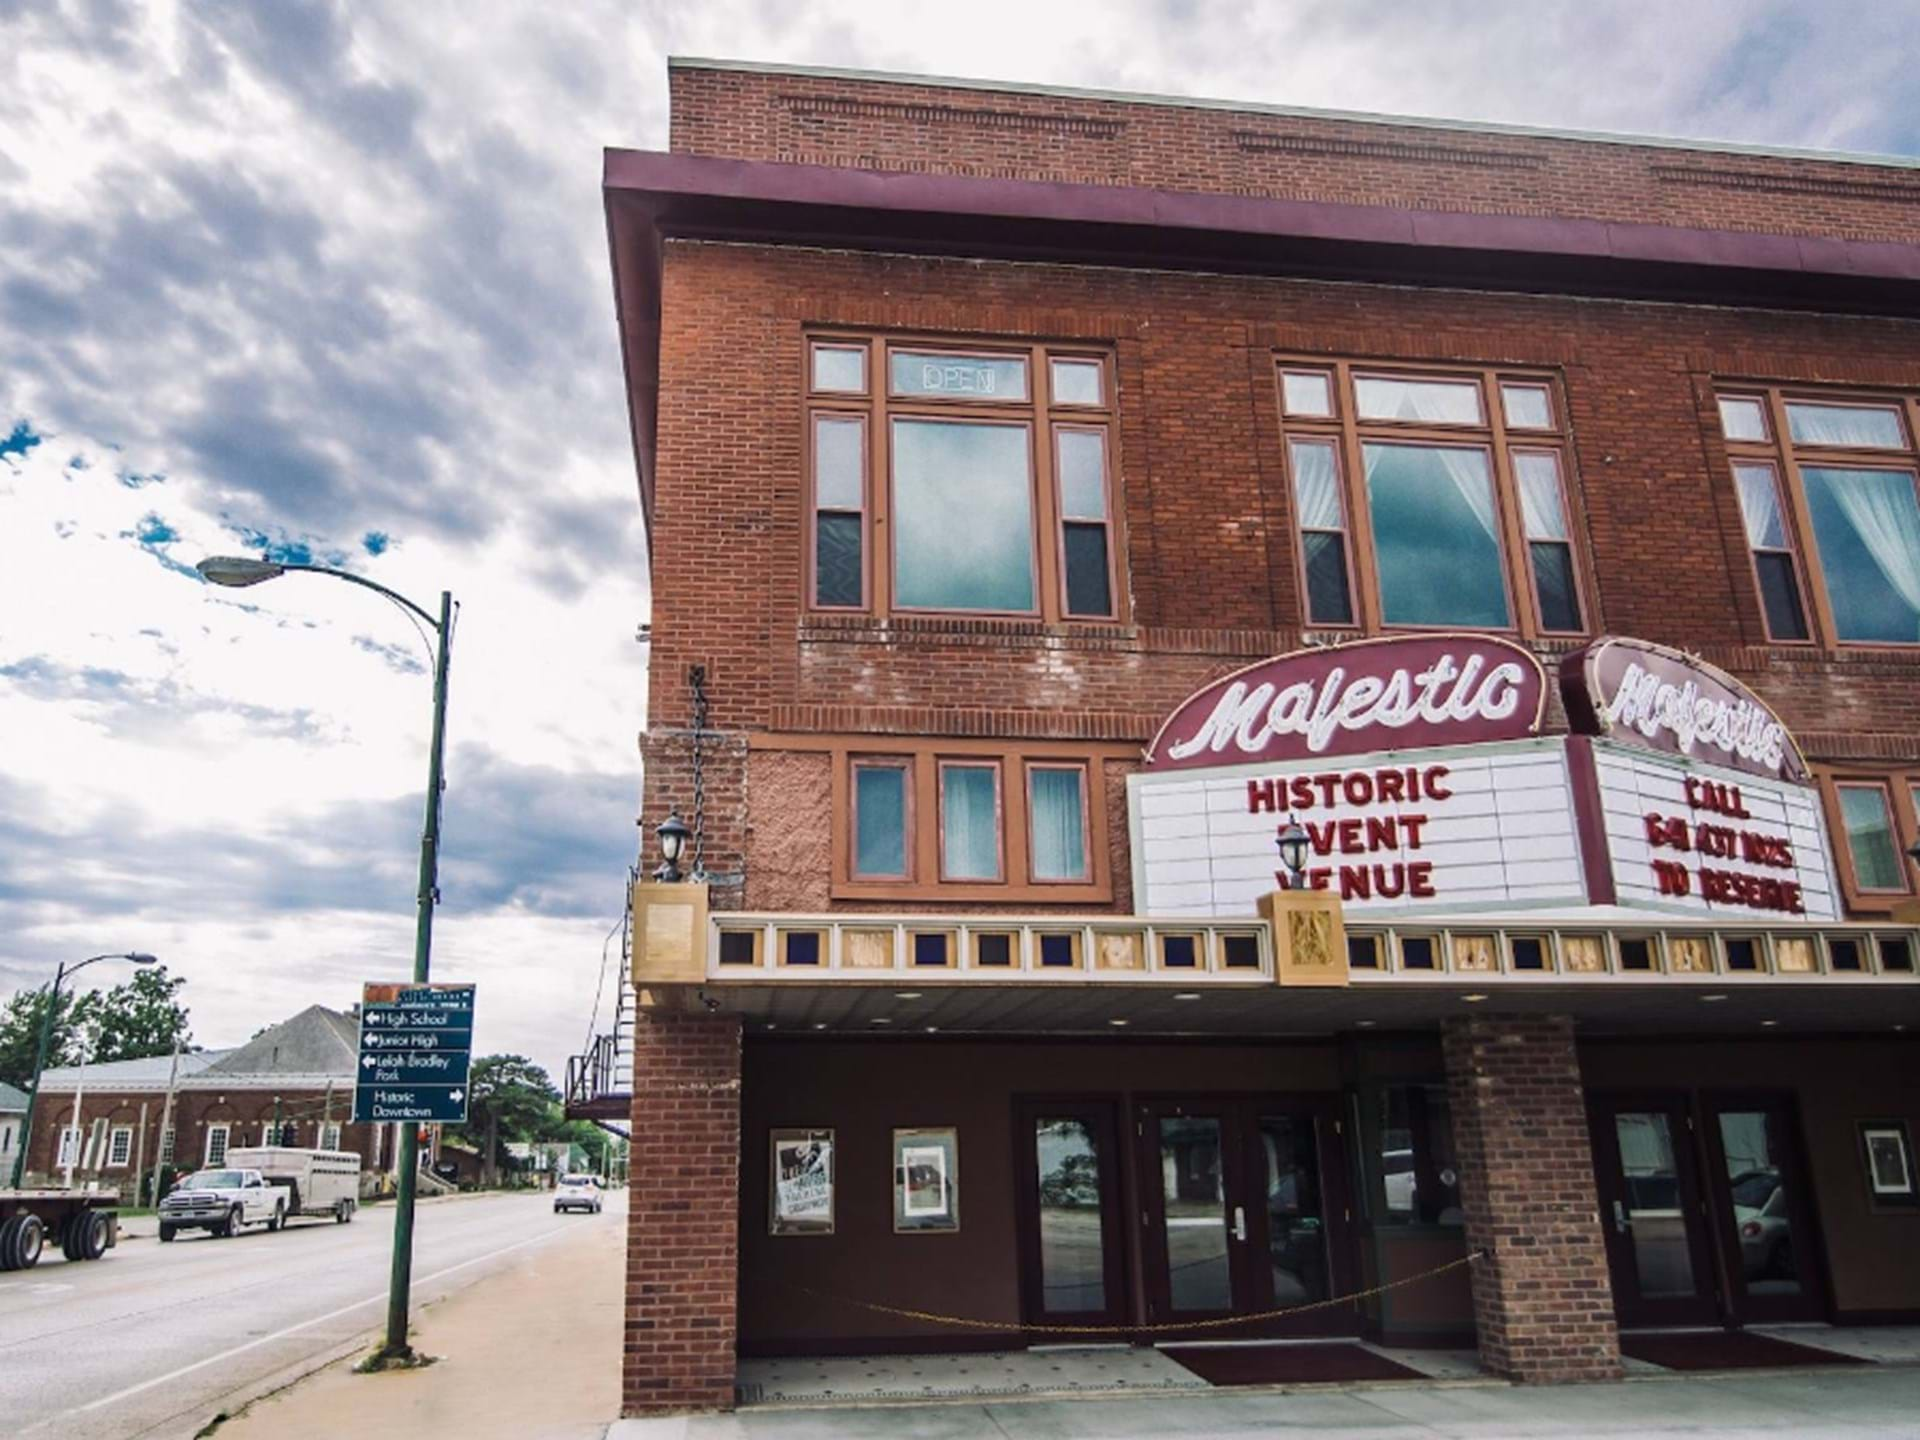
1416,768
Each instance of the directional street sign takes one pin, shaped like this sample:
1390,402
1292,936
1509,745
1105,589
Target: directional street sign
416,1043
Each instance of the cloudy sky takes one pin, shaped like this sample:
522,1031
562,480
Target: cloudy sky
330,281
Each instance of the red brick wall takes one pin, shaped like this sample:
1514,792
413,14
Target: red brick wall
193,1110
878,125
1209,526
682,1230
1542,1301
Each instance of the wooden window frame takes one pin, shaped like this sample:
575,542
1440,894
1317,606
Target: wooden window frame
1042,418
904,764
226,1143
1791,549
1081,768
1345,532
1350,434
1509,382
1897,790
816,414
997,768
1055,431
113,1138
1789,458
1558,454
924,756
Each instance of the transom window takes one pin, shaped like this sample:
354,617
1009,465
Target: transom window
978,481
964,818
1431,498
1827,490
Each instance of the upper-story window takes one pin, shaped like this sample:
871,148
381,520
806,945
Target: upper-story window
1874,816
1431,498
1827,493
977,480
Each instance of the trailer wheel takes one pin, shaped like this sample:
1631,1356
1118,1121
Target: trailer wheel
342,1211
70,1236
9,1238
28,1244
89,1229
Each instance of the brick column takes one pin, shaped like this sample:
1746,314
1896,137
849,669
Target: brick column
1543,1302
683,1222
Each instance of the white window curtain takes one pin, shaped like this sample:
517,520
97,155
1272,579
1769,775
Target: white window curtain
1880,506
1855,425
1540,506
1760,506
969,814
1467,469
1315,486
1059,832
1432,402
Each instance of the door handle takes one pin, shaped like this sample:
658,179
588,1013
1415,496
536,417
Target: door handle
1620,1221
1240,1223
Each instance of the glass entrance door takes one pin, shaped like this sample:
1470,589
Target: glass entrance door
1651,1212
1759,1193
1067,1168
1245,1210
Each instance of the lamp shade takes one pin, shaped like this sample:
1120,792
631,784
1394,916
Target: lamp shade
1293,841
236,571
672,833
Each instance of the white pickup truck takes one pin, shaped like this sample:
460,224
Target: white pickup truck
223,1201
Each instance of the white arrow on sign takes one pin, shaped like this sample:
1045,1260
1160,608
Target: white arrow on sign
456,1095
369,1062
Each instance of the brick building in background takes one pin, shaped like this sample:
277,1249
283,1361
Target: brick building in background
1051,497
294,1079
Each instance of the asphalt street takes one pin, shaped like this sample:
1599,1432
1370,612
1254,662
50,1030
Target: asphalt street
154,1340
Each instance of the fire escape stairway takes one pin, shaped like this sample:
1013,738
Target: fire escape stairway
600,1082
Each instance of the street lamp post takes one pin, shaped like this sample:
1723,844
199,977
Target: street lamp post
133,957
237,572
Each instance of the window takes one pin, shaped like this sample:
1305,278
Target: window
120,1146
881,797
1057,800
1413,1174
330,1135
69,1147
1867,819
1827,489
970,820
217,1144
968,481
1414,509
166,1146
1874,819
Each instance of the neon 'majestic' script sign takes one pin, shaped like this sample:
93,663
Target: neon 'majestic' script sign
1379,695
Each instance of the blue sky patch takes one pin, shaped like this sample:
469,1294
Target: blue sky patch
135,481
20,441
376,542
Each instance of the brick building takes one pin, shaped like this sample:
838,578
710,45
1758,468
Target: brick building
1055,501
297,1075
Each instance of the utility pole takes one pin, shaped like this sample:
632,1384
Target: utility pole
166,1120
139,1153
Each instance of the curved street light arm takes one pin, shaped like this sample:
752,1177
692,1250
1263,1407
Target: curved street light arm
361,580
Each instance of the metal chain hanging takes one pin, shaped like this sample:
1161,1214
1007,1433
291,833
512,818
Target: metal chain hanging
697,681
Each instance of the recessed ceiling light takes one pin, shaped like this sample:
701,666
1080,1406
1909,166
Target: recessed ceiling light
1473,999
772,1026
933,1029
1187,995
1899,1027
1769,1022
819,1024
906,994
1365,1024
1116,1022
1709,999
880,1020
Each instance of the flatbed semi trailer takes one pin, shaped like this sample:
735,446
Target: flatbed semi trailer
84,1224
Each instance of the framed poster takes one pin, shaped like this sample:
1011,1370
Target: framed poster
926,1181
1886,1150
800,1167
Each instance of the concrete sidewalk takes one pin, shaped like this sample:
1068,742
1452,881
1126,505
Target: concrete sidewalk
1852,1404
532,1351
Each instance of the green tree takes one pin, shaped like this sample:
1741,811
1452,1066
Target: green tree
508,1098
135,1019
20,1021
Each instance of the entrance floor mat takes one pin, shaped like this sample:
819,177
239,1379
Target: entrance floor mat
1724,1350
1291,1364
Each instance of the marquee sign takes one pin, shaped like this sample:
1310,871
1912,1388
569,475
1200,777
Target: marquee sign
1638,693
1401,692
1415,766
